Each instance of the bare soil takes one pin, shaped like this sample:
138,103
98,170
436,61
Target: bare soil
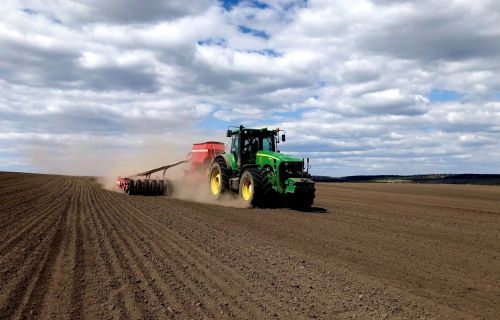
72,250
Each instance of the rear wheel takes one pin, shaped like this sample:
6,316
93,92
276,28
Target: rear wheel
218,177
255,187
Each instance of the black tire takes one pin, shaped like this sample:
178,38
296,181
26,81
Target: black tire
261,187
302,199
131,187
219,165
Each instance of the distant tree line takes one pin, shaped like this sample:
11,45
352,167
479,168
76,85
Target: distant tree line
467,178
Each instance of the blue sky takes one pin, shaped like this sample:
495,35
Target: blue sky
361,87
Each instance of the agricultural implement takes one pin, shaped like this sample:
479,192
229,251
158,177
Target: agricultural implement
199,159
253,168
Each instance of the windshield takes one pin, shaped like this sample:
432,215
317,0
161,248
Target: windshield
258,140
267,143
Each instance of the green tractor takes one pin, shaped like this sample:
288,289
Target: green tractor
259,173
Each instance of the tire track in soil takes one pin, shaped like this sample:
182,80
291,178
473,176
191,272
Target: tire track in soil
17,212
281,266
138,234
128,262
262,269
179,279
78,258
105,275
28,295
151,277
41,285
24,264
60,303
114,287
20,185
32,225
20,249
90,253
202,264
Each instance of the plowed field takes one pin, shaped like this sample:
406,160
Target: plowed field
70,249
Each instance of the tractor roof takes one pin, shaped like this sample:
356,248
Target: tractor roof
262,129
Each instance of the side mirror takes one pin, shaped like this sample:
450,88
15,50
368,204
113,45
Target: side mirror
283,137
228,133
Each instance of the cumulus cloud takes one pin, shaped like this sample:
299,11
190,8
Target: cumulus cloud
361,86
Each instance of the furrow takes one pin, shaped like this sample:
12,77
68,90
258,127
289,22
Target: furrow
41,212
57,302
21,208
102,278
43,278
222,280
116,271
157,268
78,257
132,260
23,260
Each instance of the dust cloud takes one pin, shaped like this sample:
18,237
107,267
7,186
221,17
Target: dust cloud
186,185
197,189
110,162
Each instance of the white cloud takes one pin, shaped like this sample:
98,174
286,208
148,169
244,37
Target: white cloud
354,83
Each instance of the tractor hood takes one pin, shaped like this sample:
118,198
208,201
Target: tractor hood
264,156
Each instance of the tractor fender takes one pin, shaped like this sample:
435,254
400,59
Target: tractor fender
248,166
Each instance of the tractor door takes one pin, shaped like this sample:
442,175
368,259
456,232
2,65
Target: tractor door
235,149
250,148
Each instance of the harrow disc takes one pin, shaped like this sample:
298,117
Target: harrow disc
154,187
139,187
147,187
169,188
161,187
131,187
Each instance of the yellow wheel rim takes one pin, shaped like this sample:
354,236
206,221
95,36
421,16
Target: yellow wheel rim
215,181
246,189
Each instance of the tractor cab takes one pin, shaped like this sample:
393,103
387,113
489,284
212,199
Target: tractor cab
245,143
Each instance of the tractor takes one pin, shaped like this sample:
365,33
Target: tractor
256,170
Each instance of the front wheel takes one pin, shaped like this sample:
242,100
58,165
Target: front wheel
255,187
302,199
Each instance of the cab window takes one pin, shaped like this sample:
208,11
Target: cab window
234,145
267,143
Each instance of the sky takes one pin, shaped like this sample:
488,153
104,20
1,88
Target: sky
361,87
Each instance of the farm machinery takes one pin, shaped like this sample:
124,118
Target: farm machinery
199,159
253,168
